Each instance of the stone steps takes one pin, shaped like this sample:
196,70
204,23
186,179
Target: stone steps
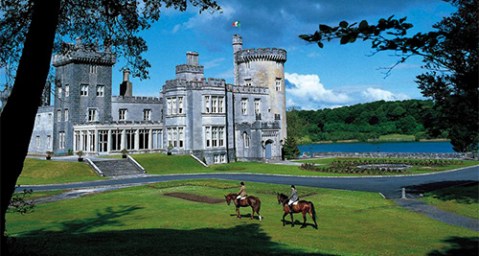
117,167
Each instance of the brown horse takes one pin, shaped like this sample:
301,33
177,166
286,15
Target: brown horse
252,201
302,207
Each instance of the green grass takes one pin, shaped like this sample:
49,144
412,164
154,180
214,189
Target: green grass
460,199
396,137
143,221
36,171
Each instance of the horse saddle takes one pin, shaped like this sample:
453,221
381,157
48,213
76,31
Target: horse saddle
295,202
243,198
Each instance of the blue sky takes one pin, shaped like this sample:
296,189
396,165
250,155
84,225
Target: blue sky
336,75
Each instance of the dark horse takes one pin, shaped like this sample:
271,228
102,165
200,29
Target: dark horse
302,207
252,201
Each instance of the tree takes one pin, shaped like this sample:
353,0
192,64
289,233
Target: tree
30,31
450,53
291,149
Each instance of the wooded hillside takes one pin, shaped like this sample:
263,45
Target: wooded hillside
364,122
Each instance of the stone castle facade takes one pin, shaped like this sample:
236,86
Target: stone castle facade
215,121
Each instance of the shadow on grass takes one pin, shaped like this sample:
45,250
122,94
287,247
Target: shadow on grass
78,237
462,191
459,246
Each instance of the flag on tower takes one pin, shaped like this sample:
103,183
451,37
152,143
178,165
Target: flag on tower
236,24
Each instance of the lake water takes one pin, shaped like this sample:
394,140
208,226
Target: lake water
386,147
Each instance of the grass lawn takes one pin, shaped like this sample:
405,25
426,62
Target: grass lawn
37,171
144,221
460,199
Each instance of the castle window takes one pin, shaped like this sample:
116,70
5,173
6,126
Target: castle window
207,104
168,106
157,139
130,139
100,90
245,140
146,114
220,104
181,137
49,141
173,106
84,90
244,106
247,65
37,141
214,136
257,106
93,69
208,136
92,115
91,135
61,140
60,92
66,115
144,138
116,140
59,115
214,104
278,84
247,82
102,140
122,114
180,105
67,90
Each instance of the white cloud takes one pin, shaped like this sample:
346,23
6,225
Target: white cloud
375,94
307,92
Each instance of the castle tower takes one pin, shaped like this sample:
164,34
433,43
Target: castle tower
237,46
263,68
82,93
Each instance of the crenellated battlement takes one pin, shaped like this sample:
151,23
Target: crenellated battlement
81,55
260,54
189,68
195,84
144,100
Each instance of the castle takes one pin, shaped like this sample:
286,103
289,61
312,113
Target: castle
215,121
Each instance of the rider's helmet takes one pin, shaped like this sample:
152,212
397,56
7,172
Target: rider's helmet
242,183
292,186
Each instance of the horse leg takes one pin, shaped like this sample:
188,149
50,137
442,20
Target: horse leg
238,214
292,220
284,215
304,220
252,212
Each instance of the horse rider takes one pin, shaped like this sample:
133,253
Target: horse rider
241,193
292,198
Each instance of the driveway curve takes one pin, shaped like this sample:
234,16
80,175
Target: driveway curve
389,186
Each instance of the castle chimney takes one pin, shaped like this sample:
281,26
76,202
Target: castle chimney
126,87
192,58
126,75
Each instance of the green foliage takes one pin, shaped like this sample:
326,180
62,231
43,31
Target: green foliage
363,122
451,58
291,150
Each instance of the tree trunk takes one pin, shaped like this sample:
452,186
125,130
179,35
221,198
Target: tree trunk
18,116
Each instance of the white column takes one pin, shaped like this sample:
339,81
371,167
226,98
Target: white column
137,139
150,139
108,141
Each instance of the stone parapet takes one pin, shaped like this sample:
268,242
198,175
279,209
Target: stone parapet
185,68
84,56
139,100
251,89
195,84
260,54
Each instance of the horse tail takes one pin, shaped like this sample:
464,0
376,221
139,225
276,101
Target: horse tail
313,212
258,209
